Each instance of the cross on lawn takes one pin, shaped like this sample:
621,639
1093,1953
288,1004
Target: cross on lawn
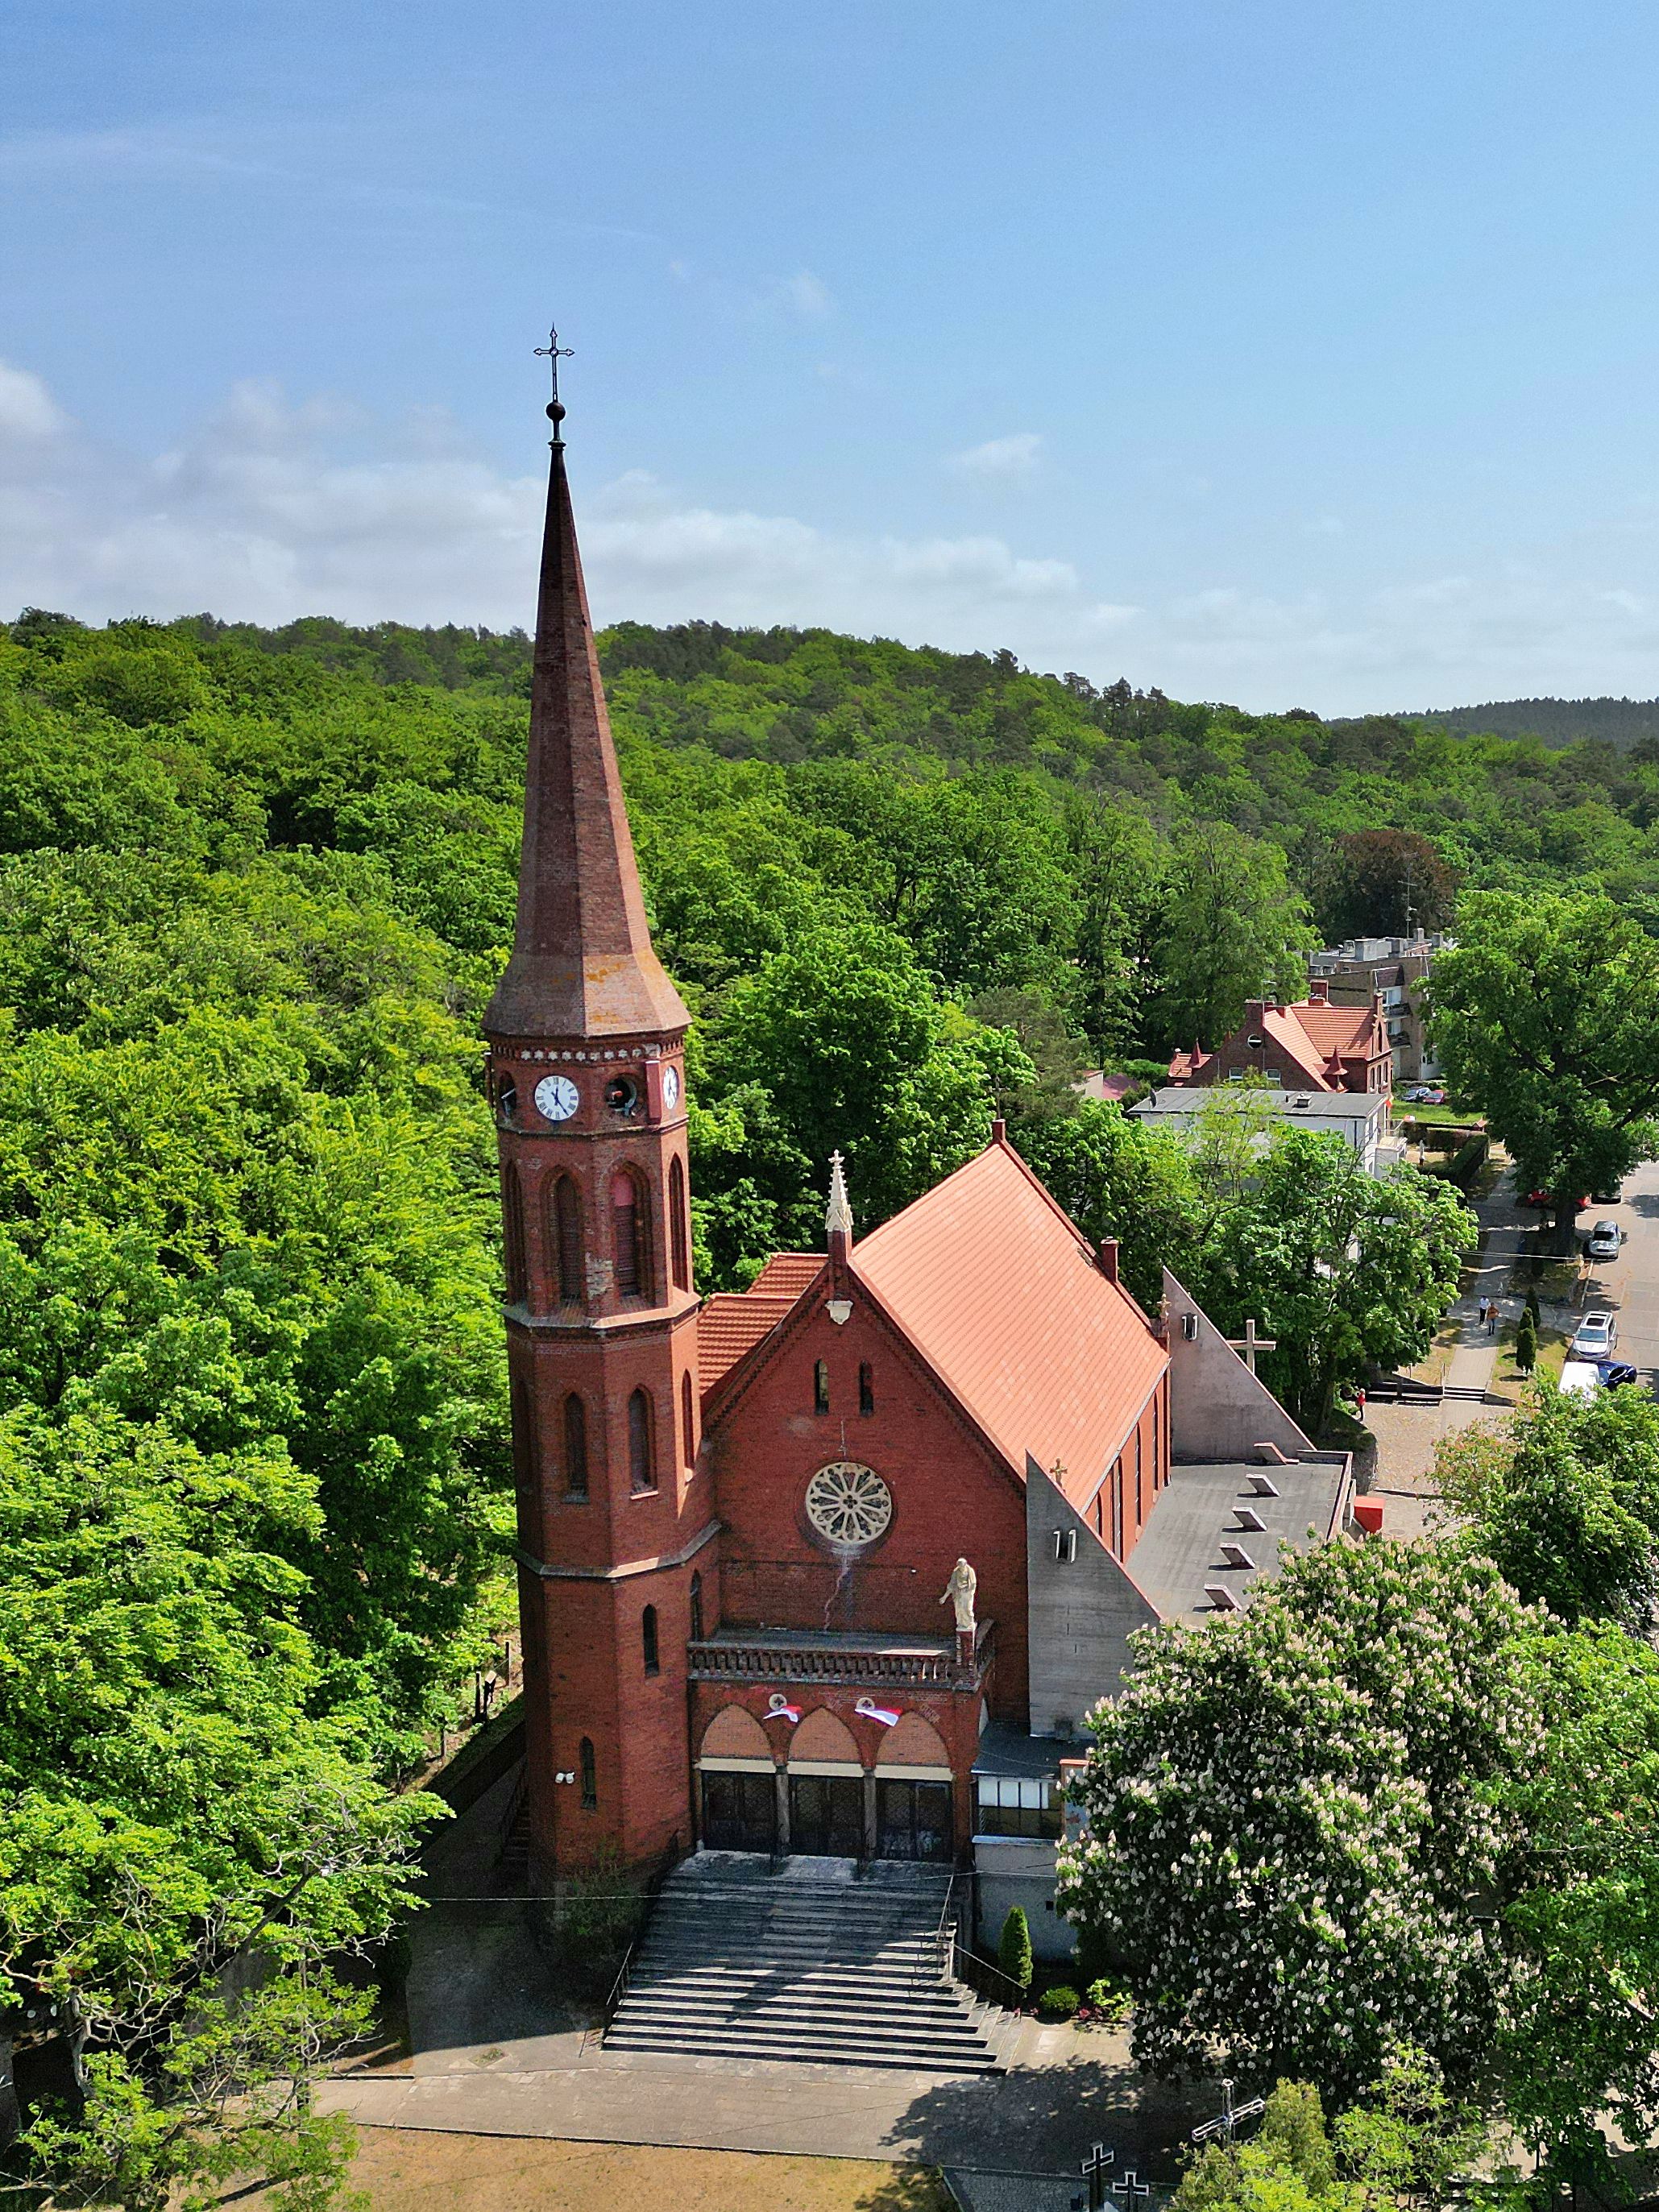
1249,1344
1095,2169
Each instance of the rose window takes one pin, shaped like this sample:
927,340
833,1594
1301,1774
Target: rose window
848,1503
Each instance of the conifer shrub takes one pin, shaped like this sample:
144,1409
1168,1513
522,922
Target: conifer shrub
1014,1948
1526,1343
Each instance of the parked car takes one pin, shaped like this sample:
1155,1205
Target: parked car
1595,1337
1604,1240
1615,1373
1426,1094
1544,1197
1581,1378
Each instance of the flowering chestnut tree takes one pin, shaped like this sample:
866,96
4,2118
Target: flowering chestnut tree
1297,1832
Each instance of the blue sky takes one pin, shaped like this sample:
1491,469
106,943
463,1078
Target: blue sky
1295,353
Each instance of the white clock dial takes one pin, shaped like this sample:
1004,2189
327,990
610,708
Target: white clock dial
557,1097
670,1089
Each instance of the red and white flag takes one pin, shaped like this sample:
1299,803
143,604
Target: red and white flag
872,1711
782,1709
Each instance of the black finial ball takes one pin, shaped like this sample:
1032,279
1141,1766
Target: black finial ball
555,411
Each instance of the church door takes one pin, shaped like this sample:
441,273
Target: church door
912,1821
826,1815
739,1812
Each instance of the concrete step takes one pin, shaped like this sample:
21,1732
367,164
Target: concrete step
807,2050
820,1971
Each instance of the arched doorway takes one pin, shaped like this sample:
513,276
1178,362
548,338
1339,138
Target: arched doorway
914,1807
738,1785
826,1789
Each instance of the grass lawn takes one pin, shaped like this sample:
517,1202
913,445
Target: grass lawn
1440,1117
421,2170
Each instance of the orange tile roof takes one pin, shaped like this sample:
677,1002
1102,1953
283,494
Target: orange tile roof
787,1274
1334,1029
1001,1295
730,1325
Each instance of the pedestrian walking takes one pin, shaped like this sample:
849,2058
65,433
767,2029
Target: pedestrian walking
1492,1318
1484,1308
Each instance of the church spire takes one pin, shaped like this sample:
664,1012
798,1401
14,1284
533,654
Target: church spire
582,962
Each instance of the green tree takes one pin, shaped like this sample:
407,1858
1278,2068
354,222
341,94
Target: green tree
1288,2166
1290,1832
840,1043
1231,928
1546,1017
1525,1342
1566,1500
185,1847
1014,1948
1344,1268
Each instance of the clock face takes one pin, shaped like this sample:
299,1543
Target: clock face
557,1097
670,1089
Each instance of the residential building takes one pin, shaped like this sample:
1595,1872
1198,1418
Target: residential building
1393,971
1312,1044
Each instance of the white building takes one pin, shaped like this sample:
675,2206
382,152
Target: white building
1360,1118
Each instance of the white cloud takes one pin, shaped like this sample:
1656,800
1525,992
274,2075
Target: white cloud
809,296
27,410
271,509
1013,459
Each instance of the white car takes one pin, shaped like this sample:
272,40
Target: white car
1595,1337
1581,1378
1605,1239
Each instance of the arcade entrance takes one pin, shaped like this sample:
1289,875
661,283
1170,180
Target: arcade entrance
739,1812
826,1815
912,1821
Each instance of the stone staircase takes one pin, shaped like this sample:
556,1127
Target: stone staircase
807,1964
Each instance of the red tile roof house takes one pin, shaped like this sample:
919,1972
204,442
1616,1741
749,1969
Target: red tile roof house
737,1517
1308,1045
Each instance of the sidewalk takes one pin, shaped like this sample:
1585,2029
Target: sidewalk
1406,1435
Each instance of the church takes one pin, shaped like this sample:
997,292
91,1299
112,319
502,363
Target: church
838,1567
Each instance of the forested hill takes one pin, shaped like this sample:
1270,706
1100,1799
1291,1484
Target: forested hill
1621,723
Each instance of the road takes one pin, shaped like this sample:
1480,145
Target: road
1628,1287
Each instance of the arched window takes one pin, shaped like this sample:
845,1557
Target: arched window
630,1235
648,1640
866,1388
565,1226
1156,1465
1117,1507
821,1386
642,1469
575,1447
512,1232
507,1098
697,1608
589,1777
1141,1506
688,1420
678,1247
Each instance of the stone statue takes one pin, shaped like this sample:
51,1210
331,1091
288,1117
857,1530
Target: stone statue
959,1592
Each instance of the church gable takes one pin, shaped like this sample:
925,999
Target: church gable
905,1484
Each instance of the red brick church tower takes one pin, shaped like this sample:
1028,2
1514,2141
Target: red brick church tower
586,1079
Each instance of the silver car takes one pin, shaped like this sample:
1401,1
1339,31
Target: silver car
1604,1241
1595,1337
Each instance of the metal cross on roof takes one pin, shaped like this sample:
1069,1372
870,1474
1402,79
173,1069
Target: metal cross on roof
1249,1344
1228,2118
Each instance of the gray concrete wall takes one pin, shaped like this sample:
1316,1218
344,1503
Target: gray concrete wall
1218,1409
1019,1870
1082,1613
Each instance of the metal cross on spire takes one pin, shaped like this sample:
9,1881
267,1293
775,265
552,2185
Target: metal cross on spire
553,353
